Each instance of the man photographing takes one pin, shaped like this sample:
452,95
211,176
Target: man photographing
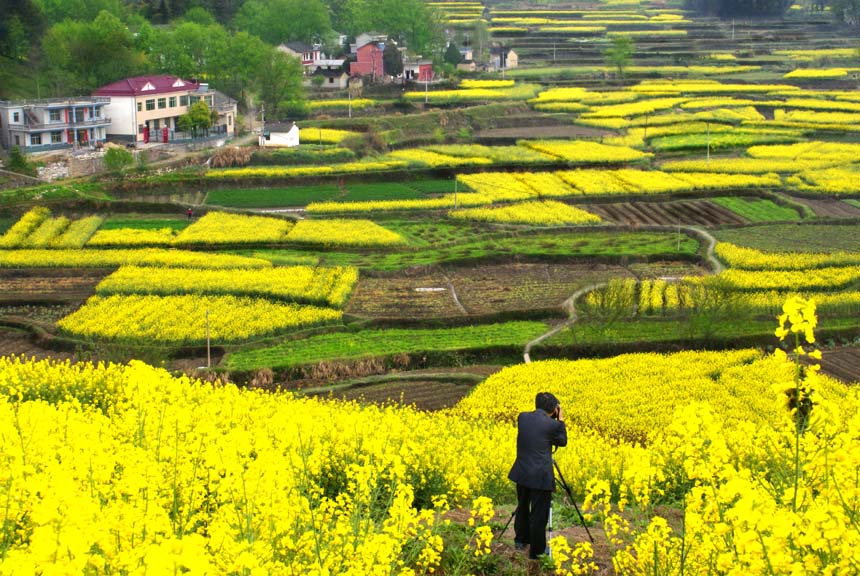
537,433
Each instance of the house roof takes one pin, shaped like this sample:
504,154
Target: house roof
328,73
500,50
299,47
142,85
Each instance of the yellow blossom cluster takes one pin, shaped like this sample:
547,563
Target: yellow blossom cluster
306,284
355,103
845,152
817,279
745,165
585,152
665,87
471,84
132,237
343,232
110,258
817,73
752,259
126,469
223,228
828,181
182,319
540,213
36,229
817,54
325,135
436,160
25,226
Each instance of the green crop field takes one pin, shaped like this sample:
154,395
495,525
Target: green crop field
380,191
528,244
757,209
795,237
371,343
271,197
117,222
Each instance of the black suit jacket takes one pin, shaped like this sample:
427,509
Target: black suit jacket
537,433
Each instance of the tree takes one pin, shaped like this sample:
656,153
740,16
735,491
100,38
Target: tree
411,21
620,53
279,80
392,61
117,159
198,118
18,162
452,55
75,53
846,11
278,21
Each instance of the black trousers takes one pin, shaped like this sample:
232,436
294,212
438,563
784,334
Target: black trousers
531,518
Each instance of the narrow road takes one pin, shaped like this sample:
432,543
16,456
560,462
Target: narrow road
570,304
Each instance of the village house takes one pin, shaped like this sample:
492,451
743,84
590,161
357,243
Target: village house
333,78
368,61
419,70
502,57
37,125
308,55
147,108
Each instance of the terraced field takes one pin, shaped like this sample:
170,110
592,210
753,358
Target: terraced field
691,212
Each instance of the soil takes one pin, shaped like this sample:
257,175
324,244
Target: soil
15,342
829,207
689,212
479,290
20,286
842,363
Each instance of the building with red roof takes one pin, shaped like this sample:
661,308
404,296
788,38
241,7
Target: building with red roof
147,108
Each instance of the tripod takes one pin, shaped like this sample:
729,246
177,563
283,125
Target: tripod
559,479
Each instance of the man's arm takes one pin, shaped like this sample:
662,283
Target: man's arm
560,438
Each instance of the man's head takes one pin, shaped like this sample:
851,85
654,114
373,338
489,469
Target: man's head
546,402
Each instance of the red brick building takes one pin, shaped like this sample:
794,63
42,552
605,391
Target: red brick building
368,61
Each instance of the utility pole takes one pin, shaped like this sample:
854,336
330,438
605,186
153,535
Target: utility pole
708,143
208,344
349,99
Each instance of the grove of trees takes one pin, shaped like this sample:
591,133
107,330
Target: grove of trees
75,46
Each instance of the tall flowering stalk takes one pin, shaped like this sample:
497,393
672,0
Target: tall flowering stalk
798,320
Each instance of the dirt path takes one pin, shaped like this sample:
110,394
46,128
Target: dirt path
570,303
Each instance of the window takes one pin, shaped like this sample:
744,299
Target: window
162,103
16,117
56,137
229,120
35,140
140,128
150,104
97,112
17,140
156,125
183,100
79,115
140,106
173,101
55,115
193,99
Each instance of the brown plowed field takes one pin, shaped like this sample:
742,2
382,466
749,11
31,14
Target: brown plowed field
843,363
14,343
481,290
423,394
694,212
830,207
60,285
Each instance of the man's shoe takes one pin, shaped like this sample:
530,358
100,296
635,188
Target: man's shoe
520,545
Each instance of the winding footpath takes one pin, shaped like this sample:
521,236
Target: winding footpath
570,304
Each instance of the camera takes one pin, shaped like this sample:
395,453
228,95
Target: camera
556,411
